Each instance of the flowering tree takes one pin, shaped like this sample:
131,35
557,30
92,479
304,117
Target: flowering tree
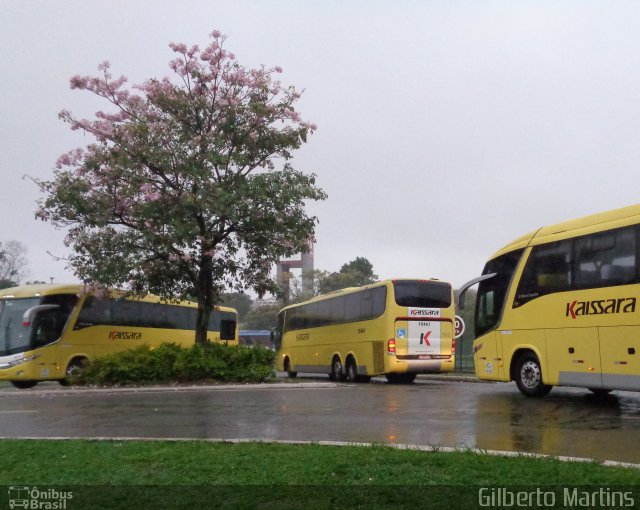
179,194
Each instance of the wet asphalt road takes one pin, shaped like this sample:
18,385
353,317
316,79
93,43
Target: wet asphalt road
568,422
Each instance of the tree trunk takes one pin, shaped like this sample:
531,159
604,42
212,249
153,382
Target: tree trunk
205,299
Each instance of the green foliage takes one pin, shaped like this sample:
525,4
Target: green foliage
179,195
356,273
170,363
240,301
263,317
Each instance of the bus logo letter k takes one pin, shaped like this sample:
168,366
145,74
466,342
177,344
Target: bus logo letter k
424,338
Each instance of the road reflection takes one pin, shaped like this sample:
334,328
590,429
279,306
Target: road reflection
569,423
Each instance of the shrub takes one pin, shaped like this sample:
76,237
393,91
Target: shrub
170,363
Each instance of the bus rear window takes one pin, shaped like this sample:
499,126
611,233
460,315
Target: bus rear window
422,294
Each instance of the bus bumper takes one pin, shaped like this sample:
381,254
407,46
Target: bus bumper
25,367
422,366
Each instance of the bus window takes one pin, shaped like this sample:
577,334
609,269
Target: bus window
492,293
606,259
419,294
48,325
227,329
548,270
14,337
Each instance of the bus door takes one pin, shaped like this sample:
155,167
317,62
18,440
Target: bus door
487,356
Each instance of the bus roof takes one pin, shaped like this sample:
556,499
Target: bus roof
587,224
44,289
47,289
349,290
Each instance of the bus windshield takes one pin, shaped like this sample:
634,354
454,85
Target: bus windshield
14,337
492,292
422,294
46,327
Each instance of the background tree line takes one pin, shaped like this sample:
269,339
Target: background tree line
254,315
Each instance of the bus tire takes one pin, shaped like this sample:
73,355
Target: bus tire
335,373
352,371
287,368
528,376
24,385
73,370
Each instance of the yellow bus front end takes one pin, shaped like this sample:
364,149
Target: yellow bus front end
47,332
559,307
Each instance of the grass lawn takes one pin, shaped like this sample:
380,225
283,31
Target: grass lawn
190,474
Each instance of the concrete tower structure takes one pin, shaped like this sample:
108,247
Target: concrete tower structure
305,263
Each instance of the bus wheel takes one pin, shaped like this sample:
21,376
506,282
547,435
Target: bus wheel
73,370
336,369
23,385
352,371
528,376
287,369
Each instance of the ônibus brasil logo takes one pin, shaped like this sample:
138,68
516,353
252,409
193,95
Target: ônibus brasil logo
601,307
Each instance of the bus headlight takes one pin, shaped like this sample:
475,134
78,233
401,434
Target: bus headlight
15,362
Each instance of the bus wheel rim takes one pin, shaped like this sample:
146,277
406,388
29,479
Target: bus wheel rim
530,374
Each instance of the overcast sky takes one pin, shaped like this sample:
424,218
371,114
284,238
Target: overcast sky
445,128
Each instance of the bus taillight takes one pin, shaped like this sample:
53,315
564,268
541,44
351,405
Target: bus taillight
391,346
453,346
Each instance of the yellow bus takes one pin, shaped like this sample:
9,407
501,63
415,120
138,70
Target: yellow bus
399,328
47,332
558,307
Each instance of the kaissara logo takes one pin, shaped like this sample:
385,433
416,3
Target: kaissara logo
600,307
124,335
424,312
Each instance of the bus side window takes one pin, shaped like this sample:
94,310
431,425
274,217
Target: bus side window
47,328
227,329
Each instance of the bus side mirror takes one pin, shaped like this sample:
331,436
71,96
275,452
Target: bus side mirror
463,290
30,314
227,329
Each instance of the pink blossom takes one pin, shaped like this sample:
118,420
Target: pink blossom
178,48
277,69
216,34
78,82
149,193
